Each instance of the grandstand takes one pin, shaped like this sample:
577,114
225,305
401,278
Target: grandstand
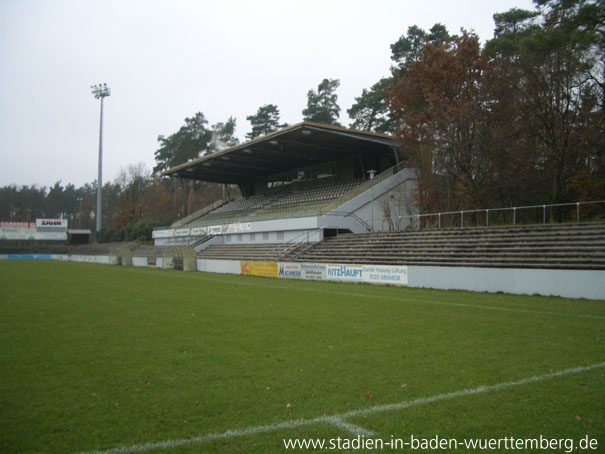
306,181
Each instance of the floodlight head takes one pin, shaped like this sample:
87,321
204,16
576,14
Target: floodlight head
100,91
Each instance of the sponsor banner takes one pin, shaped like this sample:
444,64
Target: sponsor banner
182,232
102,259
313,271
17,225
263,269
202,231
13,233
59,235
214,230
371,274
385,274
238,228
29,256
199,231
346,273
289,271
169,233
31,234
51,223
229,228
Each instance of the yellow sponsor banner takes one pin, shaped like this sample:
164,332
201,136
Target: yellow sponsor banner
264,269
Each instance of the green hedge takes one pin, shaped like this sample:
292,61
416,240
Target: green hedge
140,230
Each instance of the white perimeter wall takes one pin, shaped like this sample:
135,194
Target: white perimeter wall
218,266
565,283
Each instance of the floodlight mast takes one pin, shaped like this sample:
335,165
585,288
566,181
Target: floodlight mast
100,91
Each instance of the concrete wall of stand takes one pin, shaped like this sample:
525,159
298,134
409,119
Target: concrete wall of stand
566,283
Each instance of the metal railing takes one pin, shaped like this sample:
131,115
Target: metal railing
296,242
346,214
363,187
198,214
558,213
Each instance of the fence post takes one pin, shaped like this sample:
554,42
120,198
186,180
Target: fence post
439,221
544,214
514,215
462,219
487,217
578,212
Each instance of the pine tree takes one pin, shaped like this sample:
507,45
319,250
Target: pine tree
322,105
265,121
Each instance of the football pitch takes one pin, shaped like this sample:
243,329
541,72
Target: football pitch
100,359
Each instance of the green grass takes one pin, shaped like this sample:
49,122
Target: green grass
96,357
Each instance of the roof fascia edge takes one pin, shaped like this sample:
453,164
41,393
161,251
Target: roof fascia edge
243,145
360,135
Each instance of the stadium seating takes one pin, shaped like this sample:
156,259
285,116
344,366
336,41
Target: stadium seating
580,246
259,252
300,199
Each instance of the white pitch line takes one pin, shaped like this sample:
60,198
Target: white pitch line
338,420
399,298
341,424
466,392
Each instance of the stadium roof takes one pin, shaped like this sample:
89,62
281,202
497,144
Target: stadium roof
301,145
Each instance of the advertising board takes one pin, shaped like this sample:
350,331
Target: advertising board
199,231
344,273
289,270
168,233
57,236
263,269
17,225
13,233
385,274
51,223
313,271
372,274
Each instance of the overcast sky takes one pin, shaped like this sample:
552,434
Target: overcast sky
166,60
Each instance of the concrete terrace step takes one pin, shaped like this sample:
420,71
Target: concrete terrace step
467,245
561,246
468,233
268,251
473,231
455,261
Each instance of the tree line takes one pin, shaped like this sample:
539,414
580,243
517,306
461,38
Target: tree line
519,120
133,204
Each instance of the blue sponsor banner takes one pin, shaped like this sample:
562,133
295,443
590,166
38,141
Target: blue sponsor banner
350,273
29,257
289,270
